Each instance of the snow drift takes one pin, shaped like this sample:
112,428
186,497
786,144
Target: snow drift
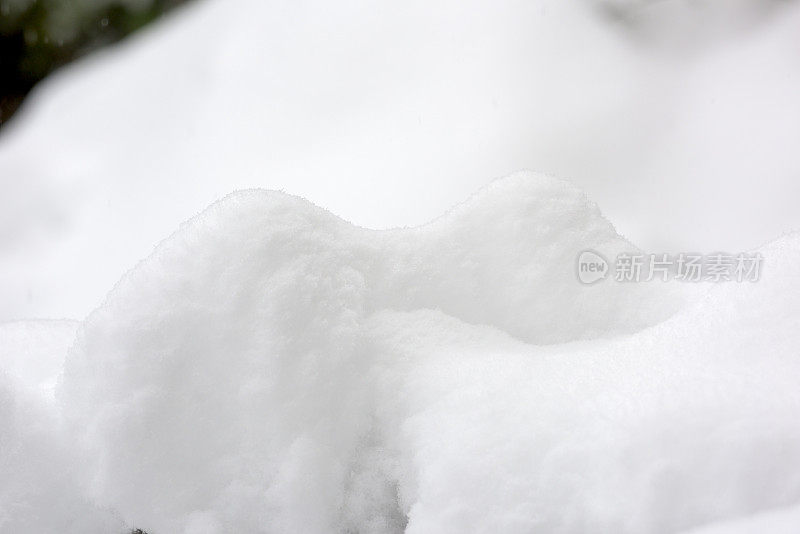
272,368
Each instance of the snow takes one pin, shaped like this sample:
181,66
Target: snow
681,122
683,423
41,481
271,367
33,353
779,521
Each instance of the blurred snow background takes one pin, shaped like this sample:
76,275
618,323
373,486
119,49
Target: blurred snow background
679,118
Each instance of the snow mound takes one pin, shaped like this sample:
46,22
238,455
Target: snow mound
272,368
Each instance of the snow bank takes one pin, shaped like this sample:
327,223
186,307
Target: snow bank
272,368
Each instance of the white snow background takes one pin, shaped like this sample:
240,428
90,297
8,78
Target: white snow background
272,367
682,124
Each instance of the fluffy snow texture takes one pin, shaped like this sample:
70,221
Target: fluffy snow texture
272,368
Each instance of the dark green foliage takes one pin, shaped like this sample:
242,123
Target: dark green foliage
38,36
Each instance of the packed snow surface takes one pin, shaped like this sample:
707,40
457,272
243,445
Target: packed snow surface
272,368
